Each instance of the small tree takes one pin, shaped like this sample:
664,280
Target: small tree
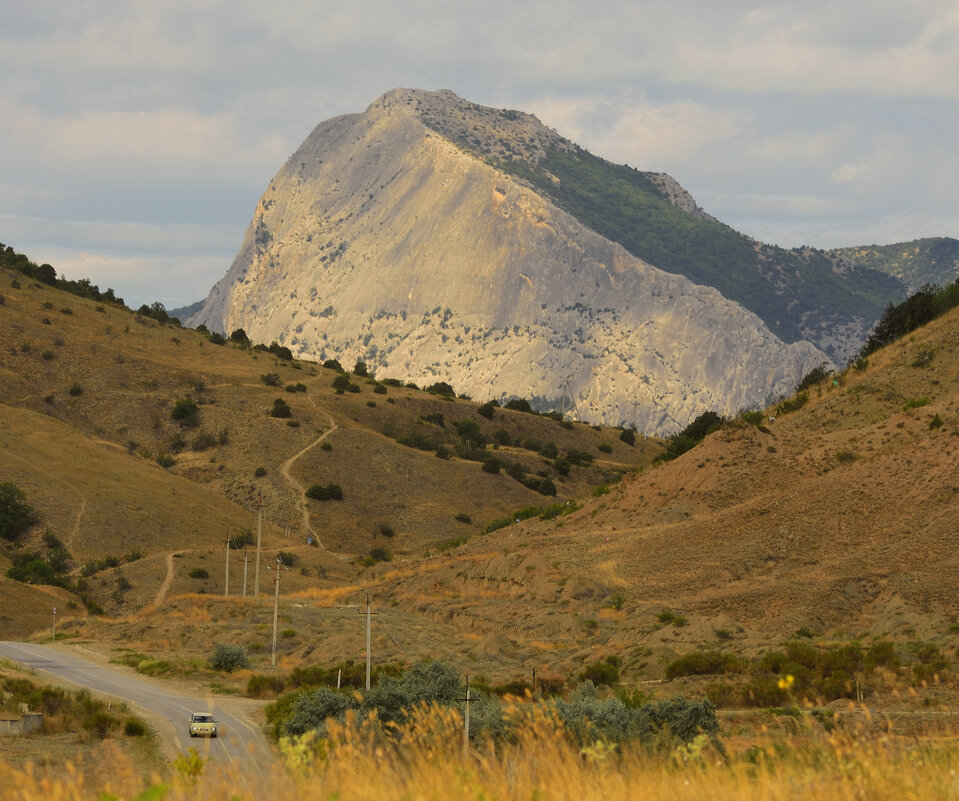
360,369
228,658
186,412
280,409
16,515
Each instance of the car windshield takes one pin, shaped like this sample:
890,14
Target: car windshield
203,718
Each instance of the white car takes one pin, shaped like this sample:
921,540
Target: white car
202,724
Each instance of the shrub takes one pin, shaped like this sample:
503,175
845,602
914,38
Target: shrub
359,369
298,387
240,338
486,410
935,422
228,658
165,461
378,555
441,388
915,403
815,376
384,529
704,663
492,465
259,472
794,403
442,452
202,441
333,364
604,447
134,727
341,383
330,492
186,412
379,389
16,515
462,517
199,573
271,379
603,671
75,390
287,558
48,355
281,409
628,435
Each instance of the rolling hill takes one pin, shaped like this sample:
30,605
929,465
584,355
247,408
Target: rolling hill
831,516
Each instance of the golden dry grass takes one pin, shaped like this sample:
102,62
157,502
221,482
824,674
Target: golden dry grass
424,761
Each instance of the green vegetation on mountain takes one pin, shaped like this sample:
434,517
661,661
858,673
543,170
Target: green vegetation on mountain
778,285
932,260
918,309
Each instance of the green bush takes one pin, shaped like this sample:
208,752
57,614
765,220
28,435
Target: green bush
705,663
227,658
329,492
16,515
280,409
603,671
134,727
487,409
915,403
186,412
628,435
462,517
793,404
271,379
199,573
259,472
165,460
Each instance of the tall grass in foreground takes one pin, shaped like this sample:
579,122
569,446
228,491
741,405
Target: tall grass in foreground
423,759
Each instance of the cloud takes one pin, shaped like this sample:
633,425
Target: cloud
639,132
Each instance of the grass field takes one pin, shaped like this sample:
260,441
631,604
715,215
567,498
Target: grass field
424,760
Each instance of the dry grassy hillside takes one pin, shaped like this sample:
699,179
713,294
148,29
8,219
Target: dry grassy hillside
835,519
87,393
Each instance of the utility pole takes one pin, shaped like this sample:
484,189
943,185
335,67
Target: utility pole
466,722
276,605
54,624
226,582
245,563
259,539
368,625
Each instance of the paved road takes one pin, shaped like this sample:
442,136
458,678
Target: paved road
240,748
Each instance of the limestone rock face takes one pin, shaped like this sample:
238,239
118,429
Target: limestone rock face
381,240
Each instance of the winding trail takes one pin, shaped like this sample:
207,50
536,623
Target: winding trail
167,581
298,488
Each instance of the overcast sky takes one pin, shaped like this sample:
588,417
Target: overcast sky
138,135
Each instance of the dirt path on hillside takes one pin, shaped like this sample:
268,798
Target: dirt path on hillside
297,487
167,581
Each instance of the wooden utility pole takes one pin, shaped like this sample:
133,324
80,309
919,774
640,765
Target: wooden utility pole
368,626
259,540
226,582
276,605
466,722
245,563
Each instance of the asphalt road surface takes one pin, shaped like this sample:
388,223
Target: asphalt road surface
240,748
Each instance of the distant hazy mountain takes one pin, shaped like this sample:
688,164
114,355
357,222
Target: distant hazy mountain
440,240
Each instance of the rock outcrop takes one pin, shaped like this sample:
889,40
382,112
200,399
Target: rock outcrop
384,241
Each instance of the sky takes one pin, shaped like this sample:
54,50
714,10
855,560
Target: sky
138,135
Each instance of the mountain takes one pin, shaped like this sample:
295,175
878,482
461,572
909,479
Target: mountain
418,237
934,260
